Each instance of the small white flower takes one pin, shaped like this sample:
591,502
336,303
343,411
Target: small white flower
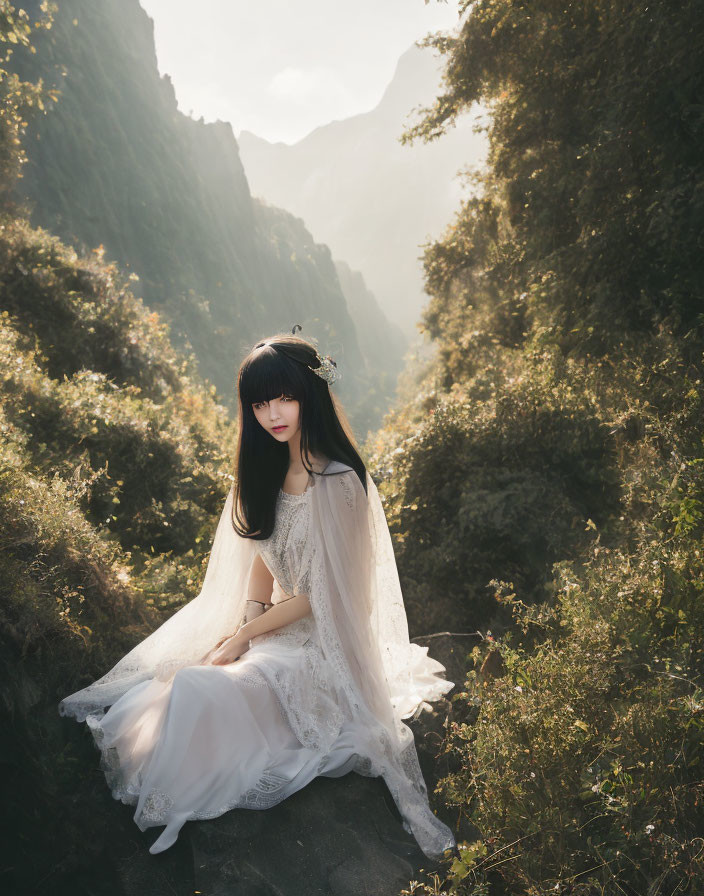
649,828
519,689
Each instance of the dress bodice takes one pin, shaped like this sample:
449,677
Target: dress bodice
284,551
286,554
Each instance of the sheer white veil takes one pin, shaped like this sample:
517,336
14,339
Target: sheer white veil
357,604
187,635
358,607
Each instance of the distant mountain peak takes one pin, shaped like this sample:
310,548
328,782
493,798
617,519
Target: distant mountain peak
371,199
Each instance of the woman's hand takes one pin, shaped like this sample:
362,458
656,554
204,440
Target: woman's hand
229,650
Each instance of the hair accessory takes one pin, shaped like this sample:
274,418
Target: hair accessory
327,370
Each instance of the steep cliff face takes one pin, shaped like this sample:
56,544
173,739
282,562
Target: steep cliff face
115,163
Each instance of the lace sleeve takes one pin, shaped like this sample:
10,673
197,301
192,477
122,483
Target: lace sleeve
302,585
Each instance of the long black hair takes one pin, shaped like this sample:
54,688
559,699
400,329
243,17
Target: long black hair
281,365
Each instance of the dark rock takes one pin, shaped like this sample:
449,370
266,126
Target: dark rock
140,872
452,650
430,727
335,837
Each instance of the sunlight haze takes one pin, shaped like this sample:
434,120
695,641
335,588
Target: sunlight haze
280,69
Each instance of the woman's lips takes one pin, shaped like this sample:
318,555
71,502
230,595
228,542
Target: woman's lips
278,428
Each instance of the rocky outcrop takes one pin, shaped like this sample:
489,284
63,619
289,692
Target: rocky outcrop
452,650
335,837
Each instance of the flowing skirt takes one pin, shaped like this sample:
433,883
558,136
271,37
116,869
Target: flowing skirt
214,738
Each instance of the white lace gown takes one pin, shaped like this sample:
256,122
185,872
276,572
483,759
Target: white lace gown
248,734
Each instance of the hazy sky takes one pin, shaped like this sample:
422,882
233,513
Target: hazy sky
280,68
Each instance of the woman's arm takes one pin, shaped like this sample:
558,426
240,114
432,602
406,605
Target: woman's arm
258,600
261,582
259,592
282,613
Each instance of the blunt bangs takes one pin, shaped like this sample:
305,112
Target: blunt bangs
283,364
269,374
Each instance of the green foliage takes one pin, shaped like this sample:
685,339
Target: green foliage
113,467
582,764
103,390
18,97
501,482
585,762
554,453
591,209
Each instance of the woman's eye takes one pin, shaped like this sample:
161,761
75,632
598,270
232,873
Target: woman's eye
257,404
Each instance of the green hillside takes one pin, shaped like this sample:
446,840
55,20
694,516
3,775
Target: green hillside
545,481
114,464
115,460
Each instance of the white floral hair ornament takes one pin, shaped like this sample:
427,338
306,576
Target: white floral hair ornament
327,370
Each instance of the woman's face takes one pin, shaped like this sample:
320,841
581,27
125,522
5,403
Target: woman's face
280,417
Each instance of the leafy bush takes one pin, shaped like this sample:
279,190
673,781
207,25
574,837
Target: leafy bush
501,484
575,271
111,479
584,766
579,759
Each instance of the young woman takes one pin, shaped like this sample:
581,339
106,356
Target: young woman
294,660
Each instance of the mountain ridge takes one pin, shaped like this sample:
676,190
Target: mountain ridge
390,197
